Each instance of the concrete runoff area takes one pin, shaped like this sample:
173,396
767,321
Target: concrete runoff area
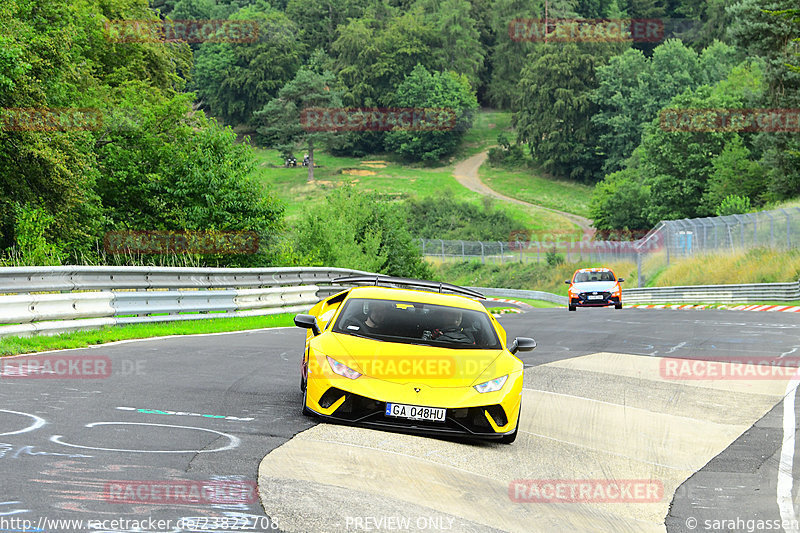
604,417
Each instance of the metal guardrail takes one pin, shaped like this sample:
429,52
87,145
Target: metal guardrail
128,295
519,293
723,294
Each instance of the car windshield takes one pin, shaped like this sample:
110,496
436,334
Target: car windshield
417,323
583,277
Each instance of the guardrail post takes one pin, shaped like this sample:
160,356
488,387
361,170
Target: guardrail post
501,251
440,240
788,230
483,256
639,276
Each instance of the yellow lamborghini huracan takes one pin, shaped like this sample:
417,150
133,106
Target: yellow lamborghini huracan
411,360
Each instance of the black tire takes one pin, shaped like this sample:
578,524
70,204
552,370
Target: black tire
571,307
511,437
618,306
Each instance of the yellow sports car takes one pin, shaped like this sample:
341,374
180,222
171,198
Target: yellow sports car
411,360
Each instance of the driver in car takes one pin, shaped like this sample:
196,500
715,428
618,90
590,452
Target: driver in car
451,330
376,320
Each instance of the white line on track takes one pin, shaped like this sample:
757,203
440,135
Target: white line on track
784,485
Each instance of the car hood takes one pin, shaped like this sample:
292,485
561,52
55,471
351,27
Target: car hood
595,286
411,363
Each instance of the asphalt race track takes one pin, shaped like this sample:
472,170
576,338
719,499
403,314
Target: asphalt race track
224,411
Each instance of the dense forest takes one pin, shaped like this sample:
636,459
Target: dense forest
167,152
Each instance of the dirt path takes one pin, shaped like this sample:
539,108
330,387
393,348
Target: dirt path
466,172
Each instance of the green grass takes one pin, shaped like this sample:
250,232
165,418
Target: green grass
485,129
393,179
533,303
80,339
524,185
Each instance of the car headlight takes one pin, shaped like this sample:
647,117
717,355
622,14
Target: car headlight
493,385
342,369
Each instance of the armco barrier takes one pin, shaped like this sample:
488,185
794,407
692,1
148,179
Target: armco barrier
723,294
128,295
519,293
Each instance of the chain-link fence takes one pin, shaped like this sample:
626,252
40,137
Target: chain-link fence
528,251
669,241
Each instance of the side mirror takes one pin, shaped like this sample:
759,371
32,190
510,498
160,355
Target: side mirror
522,344
308,322
567,281
620,280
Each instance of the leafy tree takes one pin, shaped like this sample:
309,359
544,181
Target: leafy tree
179,171
280,120
354,229
553,108
233,80
620,202
423,89
459,46
632,89
761,32
735,173
317,21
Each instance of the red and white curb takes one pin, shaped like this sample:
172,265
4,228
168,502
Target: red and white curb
744,307
523,305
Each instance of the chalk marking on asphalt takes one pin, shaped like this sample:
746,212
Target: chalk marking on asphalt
37,423
784,485
182,413
15,511
234,441
676,347
784,354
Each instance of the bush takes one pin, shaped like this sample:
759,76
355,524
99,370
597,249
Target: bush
442,217
32,247
357,230
733,205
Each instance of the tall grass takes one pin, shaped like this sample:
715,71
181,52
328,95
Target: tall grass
529,276
762,265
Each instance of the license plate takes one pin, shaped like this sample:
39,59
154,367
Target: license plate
416,412
595,297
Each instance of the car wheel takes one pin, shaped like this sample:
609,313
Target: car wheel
511,437
618,306
571,307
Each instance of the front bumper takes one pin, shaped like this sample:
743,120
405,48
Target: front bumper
491,421
583,300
